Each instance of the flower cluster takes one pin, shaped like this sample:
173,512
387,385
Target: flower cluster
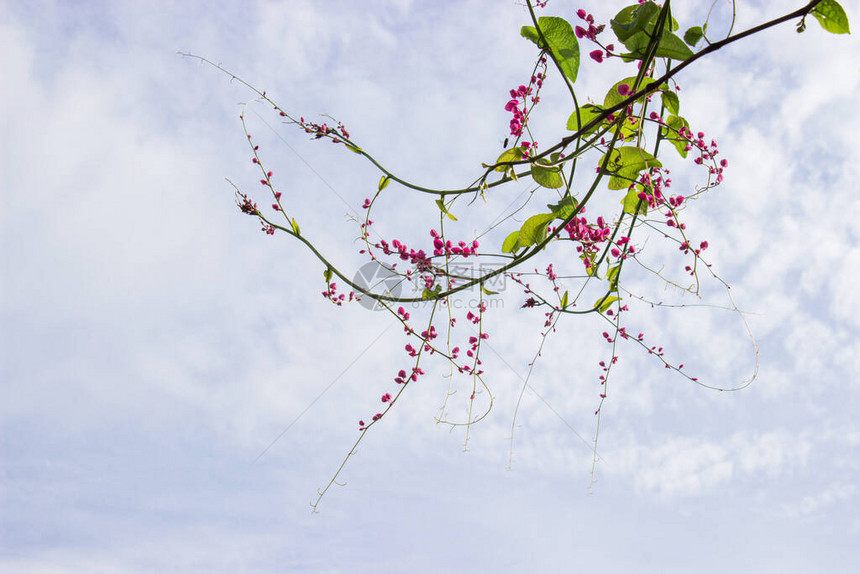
246,205
447,247
520,114
588,236
337,298
522,98
403,252
591,31
652,184
323,130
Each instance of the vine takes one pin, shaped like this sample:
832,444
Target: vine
613,148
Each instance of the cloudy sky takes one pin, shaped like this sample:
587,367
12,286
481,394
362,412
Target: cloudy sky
153,342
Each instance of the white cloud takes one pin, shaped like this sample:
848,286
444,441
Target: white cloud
695,466
840,493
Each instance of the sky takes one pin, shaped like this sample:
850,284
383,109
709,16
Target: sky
154,343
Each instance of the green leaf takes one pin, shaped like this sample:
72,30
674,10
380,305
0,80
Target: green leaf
483,187
612,276
832,17
670,46
614,97
670,133
534,229
564,208
383,182
441,204
562,41
693,35
486,291
634,26
625,163
627,128
428,295
632,203
586,114
328,274
605,303
295,225
353,148
670,100
633,19
511,244
513,154
531,33
564,300
547,176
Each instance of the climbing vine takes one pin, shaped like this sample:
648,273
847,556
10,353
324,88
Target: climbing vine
596,195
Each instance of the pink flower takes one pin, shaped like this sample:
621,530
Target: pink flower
624,89
597,56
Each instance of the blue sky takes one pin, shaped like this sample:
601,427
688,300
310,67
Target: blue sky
153,342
